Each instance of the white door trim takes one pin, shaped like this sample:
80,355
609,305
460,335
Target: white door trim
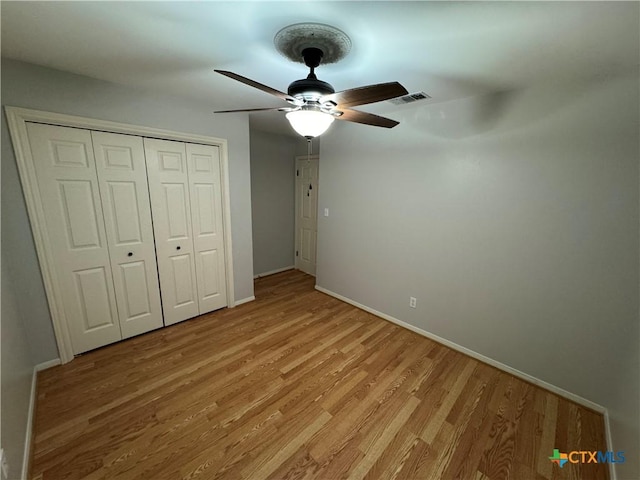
16,121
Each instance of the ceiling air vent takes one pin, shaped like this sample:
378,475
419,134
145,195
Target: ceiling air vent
410,98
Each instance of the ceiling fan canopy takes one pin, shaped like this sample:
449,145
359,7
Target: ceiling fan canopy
315,103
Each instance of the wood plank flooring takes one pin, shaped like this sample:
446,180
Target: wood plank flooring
298,385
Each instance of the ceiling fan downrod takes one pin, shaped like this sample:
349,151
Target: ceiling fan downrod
310,88
312,57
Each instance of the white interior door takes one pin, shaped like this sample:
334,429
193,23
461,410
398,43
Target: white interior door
306,213
68,185
170,205
203,163
122,177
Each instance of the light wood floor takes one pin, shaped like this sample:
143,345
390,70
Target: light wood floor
299,385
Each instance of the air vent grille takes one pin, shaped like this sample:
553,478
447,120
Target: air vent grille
410,98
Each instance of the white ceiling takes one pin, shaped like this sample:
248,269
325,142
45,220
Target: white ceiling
447,49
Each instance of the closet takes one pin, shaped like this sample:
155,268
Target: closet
184,182
134,229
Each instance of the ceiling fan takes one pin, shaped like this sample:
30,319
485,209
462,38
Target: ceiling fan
315,104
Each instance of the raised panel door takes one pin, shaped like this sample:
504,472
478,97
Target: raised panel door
203,163
122,178
306,222
68,185
171,210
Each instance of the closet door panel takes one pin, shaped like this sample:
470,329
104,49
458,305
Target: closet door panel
138,300
122,177
175,200
210,288
171,209
206,213
182,276
68,186
93,294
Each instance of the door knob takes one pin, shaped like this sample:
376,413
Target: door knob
130,254
178,247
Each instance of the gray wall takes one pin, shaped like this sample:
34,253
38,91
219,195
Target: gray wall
513,219
27,334
17,367
272,200
19,255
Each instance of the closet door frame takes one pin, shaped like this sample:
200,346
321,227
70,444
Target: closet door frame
17,119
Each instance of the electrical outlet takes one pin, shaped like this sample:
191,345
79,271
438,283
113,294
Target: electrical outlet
412,302
4,465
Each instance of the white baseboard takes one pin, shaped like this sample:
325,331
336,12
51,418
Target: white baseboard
31,413
273,272
478,356
244,300
48,364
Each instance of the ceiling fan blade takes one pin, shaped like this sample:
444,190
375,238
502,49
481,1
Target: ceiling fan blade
364,95
285,109
259,86
367,118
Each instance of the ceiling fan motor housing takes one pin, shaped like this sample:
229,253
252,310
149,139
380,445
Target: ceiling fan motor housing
307,88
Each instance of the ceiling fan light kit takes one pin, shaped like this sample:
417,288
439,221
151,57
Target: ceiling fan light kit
310,123
314,103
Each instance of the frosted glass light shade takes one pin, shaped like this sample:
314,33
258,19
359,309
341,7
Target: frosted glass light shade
309,123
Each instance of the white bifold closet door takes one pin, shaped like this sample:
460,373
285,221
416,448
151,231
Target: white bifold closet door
186,203
203,167
76,198
122,176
